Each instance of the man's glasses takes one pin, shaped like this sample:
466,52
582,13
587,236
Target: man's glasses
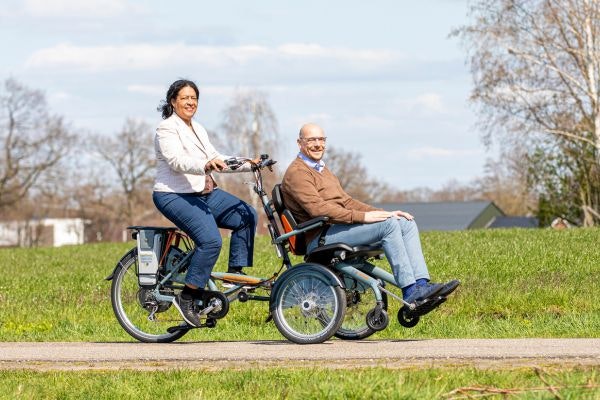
311,140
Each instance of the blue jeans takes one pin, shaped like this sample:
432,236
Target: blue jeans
399,239
200,217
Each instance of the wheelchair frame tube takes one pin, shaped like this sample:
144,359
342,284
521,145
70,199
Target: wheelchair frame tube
362,277
377,272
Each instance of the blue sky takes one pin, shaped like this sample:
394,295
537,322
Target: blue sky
381,77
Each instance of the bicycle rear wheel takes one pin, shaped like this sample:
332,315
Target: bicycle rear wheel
133,306
308,307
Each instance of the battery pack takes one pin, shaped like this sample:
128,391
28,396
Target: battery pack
149,244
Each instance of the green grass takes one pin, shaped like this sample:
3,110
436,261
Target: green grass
314,383
515,283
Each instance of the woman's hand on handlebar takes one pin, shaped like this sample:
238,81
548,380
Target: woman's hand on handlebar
215,164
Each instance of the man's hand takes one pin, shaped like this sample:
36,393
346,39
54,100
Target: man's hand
215,165
399,214
377,216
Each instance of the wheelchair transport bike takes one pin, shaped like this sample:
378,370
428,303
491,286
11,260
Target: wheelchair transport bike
335,291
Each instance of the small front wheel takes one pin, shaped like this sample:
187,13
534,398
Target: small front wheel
308,308
377,319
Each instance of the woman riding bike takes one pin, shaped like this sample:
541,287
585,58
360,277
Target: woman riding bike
186,193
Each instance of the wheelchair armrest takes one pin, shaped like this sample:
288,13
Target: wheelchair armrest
303,225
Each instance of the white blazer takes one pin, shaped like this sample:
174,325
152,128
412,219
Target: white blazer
181,154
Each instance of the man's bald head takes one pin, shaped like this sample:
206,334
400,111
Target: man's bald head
310,129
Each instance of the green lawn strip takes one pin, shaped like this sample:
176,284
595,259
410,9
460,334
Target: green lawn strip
515,283
303,383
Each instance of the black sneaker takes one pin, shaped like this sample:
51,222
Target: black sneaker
448,288
424,292
187,310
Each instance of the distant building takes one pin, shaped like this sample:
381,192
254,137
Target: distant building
42,232
455,215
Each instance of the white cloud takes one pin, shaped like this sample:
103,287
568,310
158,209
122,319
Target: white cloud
147,89
75,8
310,50
422,153
430,102
60,96
148,57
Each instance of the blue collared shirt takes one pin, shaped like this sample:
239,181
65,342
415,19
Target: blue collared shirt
318,166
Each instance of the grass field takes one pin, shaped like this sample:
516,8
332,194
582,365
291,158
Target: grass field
515,283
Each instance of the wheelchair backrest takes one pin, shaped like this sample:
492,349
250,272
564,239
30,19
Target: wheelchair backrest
297,243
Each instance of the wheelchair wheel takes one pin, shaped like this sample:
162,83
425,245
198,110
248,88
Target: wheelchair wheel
360,299
133,306
308,308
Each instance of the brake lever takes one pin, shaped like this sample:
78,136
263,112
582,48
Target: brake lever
269,164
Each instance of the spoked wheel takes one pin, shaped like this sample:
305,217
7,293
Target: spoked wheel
360,299
134,306
308,308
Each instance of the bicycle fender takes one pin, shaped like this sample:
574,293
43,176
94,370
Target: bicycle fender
126,257
317,269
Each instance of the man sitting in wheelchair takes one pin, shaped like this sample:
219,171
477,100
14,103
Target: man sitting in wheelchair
311,190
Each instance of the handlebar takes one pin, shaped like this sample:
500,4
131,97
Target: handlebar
236,162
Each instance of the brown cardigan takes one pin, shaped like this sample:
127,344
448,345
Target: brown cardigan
308,193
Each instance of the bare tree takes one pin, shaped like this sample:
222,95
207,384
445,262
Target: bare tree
130,154
536,72
249,129
33,141
249,125
506,182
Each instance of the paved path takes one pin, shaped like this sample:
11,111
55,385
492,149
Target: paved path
337,353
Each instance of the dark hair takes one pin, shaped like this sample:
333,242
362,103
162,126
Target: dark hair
165,106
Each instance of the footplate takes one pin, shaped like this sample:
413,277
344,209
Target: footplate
426,307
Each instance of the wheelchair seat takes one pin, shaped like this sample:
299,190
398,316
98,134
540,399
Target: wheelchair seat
334,252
